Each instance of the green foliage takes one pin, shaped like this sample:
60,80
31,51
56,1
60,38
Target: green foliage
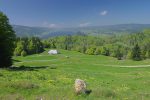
129,55
17,52
109,45
143,54
68,42
19,48
7,38
97,51
23,53
90,51
119,54
28,46
31,47
46,44
136,53
105,51
148,54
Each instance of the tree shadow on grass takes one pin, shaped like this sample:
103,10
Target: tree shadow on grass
16,60
27,68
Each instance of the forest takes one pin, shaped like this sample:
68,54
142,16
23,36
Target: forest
134,46
26,46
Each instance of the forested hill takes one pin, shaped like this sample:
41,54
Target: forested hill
44,32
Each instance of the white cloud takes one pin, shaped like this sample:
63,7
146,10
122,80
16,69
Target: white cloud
52,26
46,24
103,13
84,24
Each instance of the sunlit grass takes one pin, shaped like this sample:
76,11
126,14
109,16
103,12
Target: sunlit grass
51,77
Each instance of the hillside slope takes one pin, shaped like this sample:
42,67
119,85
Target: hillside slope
44,32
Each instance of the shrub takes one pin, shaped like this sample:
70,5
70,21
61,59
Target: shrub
90,51
148,54
97,51
23,53
105,51
129,55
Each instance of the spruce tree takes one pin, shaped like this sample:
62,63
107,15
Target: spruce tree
136,53
7,38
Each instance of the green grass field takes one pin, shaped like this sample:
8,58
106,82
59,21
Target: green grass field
51,77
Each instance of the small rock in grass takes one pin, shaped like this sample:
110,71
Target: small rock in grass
80,87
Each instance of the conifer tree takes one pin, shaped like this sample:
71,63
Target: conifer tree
7,38
136,53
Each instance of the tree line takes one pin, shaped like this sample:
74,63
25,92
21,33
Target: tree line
134,46
27,46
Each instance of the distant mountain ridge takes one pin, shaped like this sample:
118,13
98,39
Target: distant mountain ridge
44,32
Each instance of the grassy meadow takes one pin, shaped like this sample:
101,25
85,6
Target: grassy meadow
51,77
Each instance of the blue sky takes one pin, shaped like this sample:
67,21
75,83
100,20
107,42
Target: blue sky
76,13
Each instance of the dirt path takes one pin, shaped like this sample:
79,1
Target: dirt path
124,65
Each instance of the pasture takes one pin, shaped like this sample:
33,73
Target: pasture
51,77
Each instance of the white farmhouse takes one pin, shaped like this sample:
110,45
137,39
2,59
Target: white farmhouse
53,52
